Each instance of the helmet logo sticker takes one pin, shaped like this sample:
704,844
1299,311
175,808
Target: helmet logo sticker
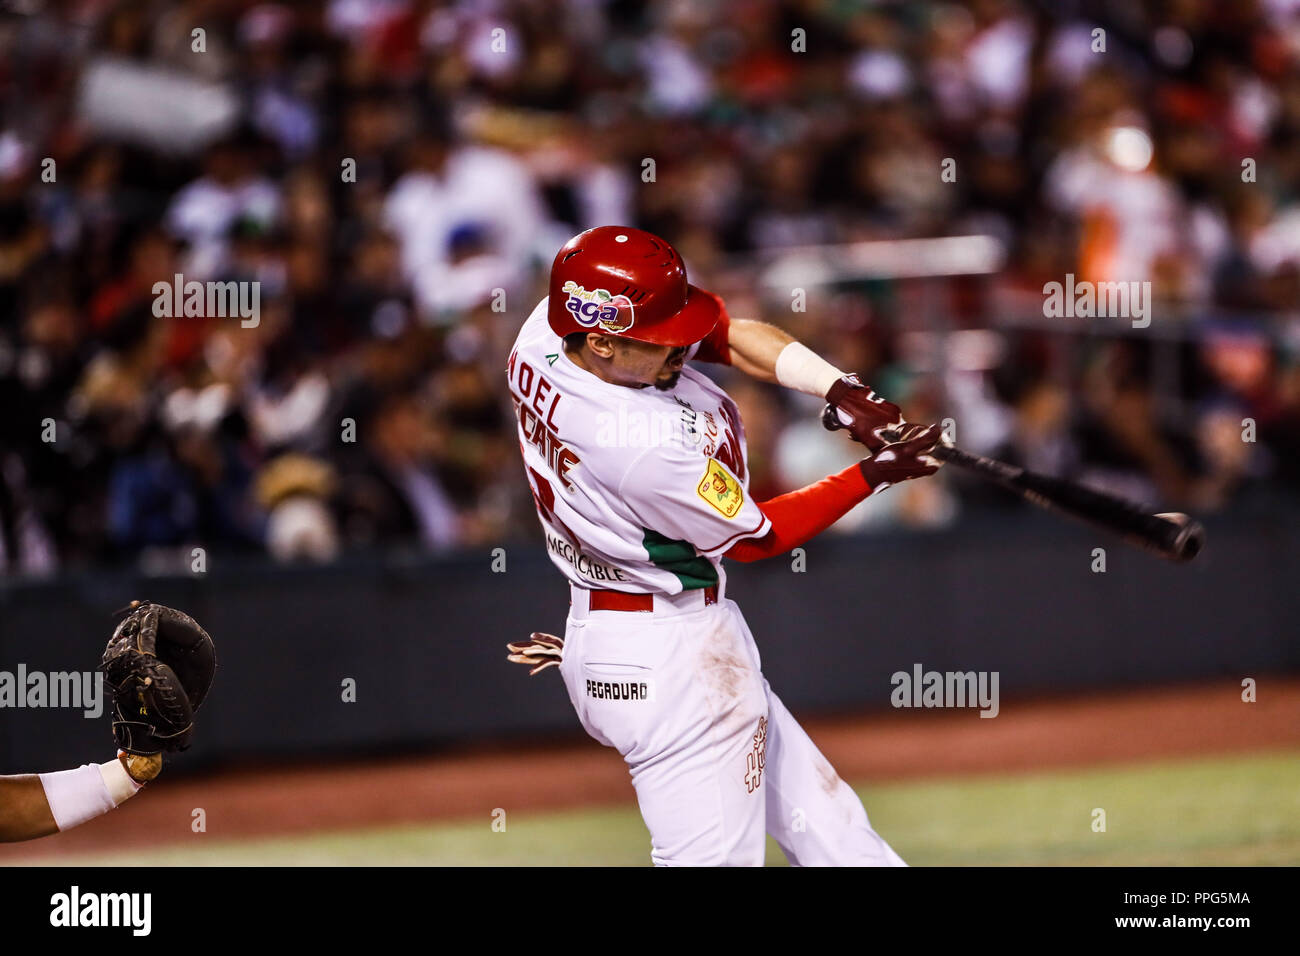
613,313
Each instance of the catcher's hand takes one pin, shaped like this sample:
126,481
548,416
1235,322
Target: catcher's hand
865,414
159,665
540,650
908,456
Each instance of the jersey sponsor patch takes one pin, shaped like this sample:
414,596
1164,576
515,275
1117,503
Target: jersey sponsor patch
720,490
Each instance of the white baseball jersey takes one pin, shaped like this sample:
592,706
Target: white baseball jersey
638,490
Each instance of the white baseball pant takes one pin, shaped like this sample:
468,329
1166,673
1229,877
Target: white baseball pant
715,757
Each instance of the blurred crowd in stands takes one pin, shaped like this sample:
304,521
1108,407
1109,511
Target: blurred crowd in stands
397,174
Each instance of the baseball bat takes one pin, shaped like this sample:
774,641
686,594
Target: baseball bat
1172,535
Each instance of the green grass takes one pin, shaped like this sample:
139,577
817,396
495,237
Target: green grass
1227,811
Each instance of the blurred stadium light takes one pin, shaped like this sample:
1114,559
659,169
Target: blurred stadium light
885,259
164,109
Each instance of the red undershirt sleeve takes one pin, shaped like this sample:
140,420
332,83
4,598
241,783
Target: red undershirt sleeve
714,347
799,516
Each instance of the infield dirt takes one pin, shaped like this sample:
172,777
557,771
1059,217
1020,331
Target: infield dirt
1151,723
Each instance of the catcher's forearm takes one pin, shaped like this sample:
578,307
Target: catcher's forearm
36,805
24,811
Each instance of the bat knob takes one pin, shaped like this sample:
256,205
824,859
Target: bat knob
831,419
1190,538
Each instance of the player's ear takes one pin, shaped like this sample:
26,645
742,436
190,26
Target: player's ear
602,345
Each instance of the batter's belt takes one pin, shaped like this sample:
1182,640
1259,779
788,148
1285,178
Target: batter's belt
600,600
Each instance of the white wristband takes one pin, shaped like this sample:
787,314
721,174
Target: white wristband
800,368
120,784
76,796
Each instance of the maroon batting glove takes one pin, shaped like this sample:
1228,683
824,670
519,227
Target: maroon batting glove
865,414
540,651
908,457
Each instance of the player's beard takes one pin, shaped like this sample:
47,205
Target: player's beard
668,384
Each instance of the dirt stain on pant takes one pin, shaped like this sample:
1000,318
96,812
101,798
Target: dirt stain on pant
729,677
828,778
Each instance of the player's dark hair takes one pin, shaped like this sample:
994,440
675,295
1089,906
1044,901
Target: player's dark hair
573,341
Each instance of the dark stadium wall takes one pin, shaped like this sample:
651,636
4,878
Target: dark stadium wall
423,639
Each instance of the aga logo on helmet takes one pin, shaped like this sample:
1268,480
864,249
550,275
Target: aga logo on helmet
613,313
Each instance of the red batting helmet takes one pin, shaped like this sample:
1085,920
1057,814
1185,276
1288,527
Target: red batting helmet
627,282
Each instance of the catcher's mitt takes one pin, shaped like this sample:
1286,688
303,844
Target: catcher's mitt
159,665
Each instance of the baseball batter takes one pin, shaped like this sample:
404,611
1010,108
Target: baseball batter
638,469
